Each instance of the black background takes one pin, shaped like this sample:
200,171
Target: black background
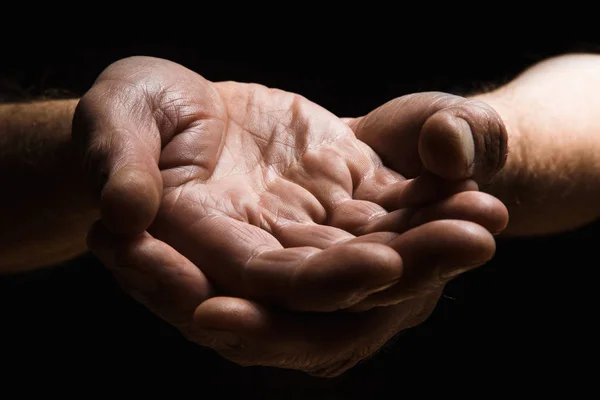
523,322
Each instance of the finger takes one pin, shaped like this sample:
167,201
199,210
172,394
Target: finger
464,140
324,174
476,207
451,136
246,261
432,254
153,273
352,215
308,234
333,185
320,344
119,160
294,202
309,279
420,191
479,208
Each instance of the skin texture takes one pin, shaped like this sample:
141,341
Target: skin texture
450,136
550,168
256,222
551,182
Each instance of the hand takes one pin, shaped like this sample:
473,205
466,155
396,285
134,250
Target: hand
264,192
450,136
435,133
250,334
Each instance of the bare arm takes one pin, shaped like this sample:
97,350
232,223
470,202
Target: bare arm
551,181
45,210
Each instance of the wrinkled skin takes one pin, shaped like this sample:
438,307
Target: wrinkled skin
273,236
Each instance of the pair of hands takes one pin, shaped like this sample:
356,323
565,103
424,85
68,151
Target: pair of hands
265,227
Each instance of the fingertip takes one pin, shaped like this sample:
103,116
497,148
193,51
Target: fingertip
360,270
493,214
480,241
503,221
387,263
474,137
463,242
473,206
231,314
434,253
491,139
447,146
130,200
481,245
497,214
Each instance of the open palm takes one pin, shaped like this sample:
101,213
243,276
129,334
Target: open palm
264,192
256,197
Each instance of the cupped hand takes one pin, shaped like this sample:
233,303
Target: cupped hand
273,199
438,134
324,344
261,189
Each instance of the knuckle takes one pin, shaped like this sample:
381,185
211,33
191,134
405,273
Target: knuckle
441,100
489,134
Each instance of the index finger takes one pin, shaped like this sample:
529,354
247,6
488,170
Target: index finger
246,261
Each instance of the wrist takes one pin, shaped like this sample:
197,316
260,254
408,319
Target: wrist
47,208
551,180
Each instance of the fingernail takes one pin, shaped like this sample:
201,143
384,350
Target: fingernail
467,142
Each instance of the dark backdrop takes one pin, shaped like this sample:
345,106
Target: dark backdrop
521,322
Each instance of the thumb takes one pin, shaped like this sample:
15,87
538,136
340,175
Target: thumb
120,161
451,136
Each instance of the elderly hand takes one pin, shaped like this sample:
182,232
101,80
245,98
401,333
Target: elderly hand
263,213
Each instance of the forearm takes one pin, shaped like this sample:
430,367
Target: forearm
45,208
551,182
